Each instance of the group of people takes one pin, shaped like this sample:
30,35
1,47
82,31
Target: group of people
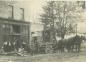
9,46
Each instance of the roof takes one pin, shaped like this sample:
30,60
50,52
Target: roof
14,20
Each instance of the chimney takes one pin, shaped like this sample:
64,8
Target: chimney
23,14
84,4
12,9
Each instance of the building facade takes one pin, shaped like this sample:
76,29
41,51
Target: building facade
13,30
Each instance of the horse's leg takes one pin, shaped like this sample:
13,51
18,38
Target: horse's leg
72,48
68,48
78,48
75,47
54,49
62,49
32,52
59,50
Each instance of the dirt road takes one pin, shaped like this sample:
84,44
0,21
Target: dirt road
64,57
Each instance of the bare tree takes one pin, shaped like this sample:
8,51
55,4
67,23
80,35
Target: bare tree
60,16
67,14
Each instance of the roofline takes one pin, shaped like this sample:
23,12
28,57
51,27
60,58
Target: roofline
14,20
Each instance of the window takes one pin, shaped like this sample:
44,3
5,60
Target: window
6,28
16,28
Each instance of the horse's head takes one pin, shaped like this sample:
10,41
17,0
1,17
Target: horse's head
83,37
80,37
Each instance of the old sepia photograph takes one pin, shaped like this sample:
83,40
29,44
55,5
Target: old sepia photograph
42,31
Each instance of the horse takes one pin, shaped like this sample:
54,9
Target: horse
59,46
72,44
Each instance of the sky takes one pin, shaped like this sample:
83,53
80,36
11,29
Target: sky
82,25
35,9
